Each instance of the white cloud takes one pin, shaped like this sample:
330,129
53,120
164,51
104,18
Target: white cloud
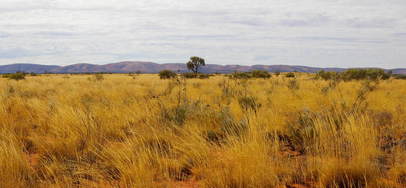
340,33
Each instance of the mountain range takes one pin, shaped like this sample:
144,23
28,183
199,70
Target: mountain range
150,67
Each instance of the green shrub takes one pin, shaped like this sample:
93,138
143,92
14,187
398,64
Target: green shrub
328,75
195,75
359,74
16,76
167,74
252,74
190,75
176,115
355,74
400,76
204,76
260,74
290,75
241,75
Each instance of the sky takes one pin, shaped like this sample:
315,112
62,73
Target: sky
322,33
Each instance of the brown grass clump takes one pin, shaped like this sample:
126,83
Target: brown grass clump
114,130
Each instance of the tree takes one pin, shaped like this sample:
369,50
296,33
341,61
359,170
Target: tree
195,63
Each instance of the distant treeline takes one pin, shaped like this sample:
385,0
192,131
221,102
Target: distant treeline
356,74
348,75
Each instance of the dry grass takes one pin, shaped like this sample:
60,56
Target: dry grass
125,131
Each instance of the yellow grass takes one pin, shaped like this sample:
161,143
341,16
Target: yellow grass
140,131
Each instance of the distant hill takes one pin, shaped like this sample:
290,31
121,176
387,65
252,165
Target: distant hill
399,71
150,67
27,68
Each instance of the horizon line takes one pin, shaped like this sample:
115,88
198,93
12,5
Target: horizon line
136,61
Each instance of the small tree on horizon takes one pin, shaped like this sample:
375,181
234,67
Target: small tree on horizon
195,63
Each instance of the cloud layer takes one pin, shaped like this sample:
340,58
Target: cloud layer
326,33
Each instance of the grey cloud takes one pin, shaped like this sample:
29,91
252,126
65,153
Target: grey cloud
144,56
4,35
399,34
371,23
54,34
263,58
15,53
307,32
250,22
342,39
198,37
10,53
317,20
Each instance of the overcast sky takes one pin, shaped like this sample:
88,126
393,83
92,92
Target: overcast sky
324,33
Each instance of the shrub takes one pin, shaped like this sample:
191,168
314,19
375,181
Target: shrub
241,75
252,74
327,75
359,74
167,74
293,84
195,75
301,130
176,115
204,76
400,76
355,74
99,77
260,74
16,76
230,126
190,75
249,103
214,137
277,73
290,75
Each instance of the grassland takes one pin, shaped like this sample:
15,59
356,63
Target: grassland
141,131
